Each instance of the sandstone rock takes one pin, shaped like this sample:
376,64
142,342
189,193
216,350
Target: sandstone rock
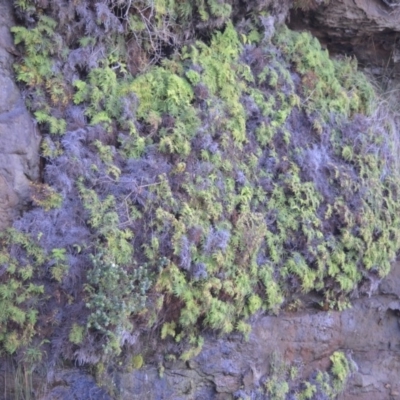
19,138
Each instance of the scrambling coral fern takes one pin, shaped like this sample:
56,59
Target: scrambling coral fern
241,170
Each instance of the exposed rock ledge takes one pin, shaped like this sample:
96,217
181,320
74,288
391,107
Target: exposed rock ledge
368,29
368,332
19,141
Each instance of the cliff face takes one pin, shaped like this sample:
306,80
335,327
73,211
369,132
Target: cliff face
231,368
246,173
19,137
369,333
368,29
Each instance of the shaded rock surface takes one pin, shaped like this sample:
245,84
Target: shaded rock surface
73,385
368,29
369,333
19,139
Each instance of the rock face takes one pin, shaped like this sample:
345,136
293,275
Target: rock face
19,139
365,28
368,333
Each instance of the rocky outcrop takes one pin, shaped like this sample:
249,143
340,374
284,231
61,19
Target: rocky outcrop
368,333
19,139
368,29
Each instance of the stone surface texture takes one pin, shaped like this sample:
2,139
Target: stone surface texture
368,332
368,29
19,138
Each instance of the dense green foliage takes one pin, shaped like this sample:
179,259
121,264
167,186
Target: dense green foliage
241,170
18,291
